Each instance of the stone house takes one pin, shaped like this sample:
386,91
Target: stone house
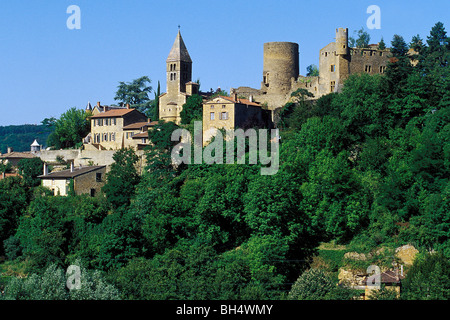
85,180
13,157
108,129
136,134
230,113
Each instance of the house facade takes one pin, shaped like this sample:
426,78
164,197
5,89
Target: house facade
110,129
85,180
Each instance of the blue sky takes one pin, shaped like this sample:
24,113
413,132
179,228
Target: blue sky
46,68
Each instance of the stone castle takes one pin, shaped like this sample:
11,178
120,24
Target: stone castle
280,73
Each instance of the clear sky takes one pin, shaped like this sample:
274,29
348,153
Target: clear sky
47,68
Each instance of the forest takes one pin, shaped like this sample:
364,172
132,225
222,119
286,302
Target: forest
362,169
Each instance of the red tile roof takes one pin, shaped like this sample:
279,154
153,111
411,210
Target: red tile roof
139,125
113,113
241,101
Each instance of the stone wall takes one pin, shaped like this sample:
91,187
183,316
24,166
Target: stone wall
84,184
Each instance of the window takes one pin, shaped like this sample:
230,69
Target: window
224,106
212,106
333,68
382,69
332,86
92,192
112,136
368,68
94,123
211,116
114,121
381,53
98,177
105,137
224,116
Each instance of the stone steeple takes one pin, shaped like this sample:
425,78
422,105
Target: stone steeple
179,67
179,51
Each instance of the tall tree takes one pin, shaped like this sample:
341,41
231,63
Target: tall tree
122,179
136,94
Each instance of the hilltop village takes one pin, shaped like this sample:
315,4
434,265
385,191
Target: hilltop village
114,128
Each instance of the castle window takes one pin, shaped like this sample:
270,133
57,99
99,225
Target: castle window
333,68
332,86
326,54
368,68
211,116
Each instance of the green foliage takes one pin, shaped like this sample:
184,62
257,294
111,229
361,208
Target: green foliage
312,71
136,94
316,284
30,169
70,129
122,178
20,137
192,109
51,285
428,279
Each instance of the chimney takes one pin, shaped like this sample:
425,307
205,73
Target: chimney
250,98
235,97
401,270
45,169
71,166
10,150
98,104
149,120
128,106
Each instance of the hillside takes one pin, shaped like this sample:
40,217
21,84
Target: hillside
22,136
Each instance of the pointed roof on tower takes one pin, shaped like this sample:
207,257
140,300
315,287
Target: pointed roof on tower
179,51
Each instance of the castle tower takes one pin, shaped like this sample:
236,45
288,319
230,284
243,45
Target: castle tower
179,66
342,41
281,64
343,56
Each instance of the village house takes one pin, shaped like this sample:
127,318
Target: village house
13,157
84,180
113,129
230,113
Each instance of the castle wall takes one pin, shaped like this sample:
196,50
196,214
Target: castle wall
371,61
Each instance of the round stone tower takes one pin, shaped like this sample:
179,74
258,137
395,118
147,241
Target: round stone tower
281,64
342,41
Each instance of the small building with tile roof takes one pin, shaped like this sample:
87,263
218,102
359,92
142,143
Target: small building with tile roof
83,179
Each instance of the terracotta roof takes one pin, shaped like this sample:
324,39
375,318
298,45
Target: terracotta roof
7,175
241,101
65,174
18,155
113,113
141,135
139,125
